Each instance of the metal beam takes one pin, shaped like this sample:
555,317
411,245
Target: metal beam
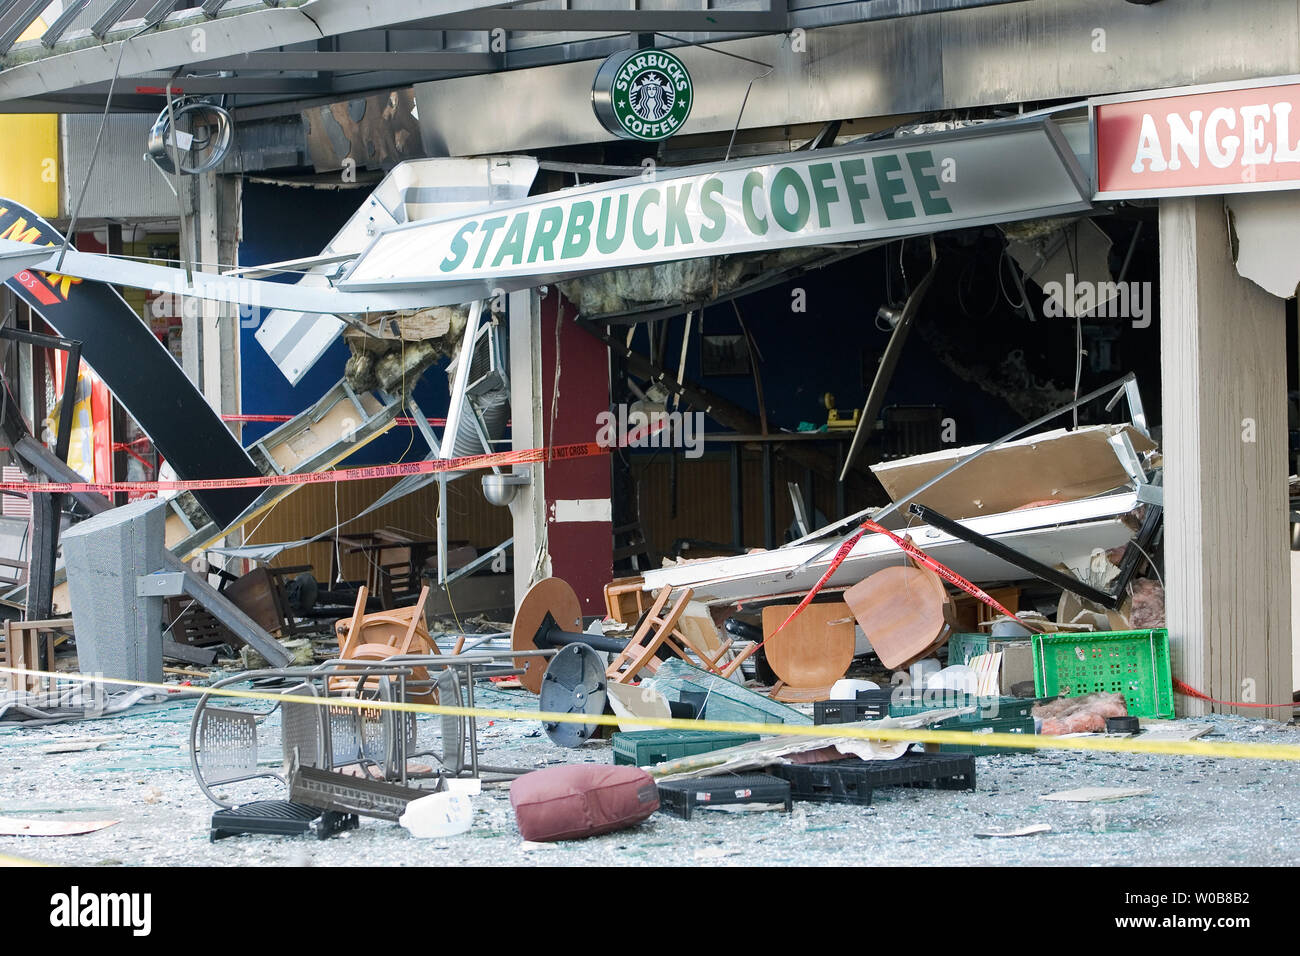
866,10
20,25
43,460
613,21
204,285
232,35
425,62
225,611
158,12
109,19
71,10
15,261
79,103
211,8
1066,582
157,86
46,510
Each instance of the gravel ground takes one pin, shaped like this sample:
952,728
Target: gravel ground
1200,811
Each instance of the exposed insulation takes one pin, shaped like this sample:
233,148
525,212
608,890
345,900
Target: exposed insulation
398,347
670,283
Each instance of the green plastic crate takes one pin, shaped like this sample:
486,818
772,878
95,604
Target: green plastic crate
1132,663
998,725
987,708
962,647
645,748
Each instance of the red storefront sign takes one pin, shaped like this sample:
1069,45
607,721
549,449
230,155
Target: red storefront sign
1217,140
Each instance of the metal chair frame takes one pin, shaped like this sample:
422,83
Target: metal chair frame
223,740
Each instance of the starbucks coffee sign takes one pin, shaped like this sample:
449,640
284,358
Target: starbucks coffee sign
871,190
642,94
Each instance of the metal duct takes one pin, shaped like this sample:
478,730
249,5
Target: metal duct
487,394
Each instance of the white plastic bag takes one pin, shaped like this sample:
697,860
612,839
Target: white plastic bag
438,815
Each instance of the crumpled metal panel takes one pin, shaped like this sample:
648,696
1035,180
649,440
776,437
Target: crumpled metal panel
418,189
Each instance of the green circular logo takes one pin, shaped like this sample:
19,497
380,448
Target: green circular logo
643,94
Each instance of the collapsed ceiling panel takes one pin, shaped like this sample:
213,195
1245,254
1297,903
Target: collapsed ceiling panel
415,190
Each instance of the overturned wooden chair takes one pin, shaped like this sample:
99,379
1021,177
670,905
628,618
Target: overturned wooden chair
627,603
385,634
656,630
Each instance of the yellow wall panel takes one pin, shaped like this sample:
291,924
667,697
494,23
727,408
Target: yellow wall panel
29,161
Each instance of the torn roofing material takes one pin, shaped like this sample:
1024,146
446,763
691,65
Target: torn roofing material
415,190
1055,534
1057,465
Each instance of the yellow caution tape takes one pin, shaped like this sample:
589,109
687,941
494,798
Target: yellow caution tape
1190,748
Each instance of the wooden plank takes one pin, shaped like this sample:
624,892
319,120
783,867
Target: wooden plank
173,651
1223,359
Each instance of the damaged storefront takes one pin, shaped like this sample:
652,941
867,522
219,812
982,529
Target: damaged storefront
700,437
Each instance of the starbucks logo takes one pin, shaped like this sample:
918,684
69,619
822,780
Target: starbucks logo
642,94
651,96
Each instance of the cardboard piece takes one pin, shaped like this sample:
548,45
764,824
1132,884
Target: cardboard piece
629,702
1057,465
1006,664
1156,729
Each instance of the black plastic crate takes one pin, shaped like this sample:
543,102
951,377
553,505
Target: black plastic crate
870,705
853,780
682,797
280,818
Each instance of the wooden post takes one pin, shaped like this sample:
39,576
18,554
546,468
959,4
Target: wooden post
1223,361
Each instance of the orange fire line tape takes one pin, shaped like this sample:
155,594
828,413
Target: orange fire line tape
401,470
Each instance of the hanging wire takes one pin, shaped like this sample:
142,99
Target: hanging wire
1002,264
734,56
1073,255
94,153
735,129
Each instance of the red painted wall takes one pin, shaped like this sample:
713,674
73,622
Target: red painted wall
581,551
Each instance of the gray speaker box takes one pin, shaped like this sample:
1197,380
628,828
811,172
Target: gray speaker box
118,633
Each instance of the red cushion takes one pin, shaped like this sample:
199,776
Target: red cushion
581,800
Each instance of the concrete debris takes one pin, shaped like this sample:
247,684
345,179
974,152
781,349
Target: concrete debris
412,325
